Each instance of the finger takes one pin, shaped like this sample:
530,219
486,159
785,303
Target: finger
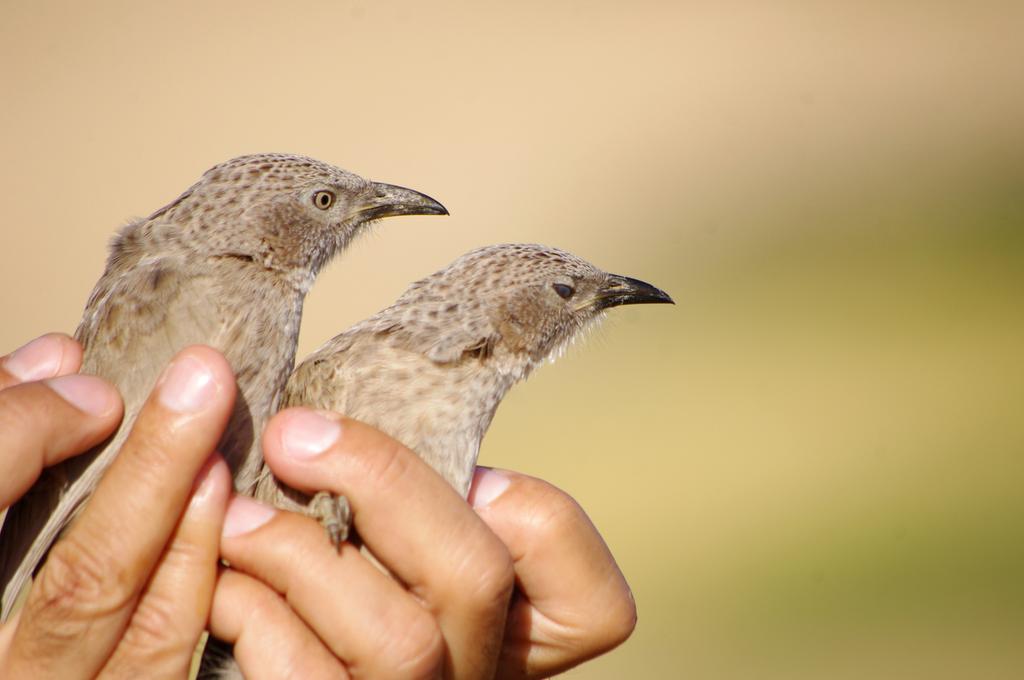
412,520
7,633
364,617
555,622
47,356
164,629
42,423
85,593
270,641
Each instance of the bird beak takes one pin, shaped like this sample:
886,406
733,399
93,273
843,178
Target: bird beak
622,290
388,200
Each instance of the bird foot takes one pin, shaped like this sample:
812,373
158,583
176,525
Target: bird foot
334,514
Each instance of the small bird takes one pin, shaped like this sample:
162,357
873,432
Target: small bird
227,264
431,369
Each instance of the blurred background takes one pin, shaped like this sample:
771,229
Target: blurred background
814,464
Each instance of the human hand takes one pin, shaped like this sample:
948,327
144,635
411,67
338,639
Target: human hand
126,591
571,601
293,606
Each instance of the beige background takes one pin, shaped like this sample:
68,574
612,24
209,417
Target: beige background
811,467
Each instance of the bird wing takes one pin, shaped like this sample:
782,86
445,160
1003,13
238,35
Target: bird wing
416,326
134,322
317,382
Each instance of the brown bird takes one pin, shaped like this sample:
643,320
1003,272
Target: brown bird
227,264
431,369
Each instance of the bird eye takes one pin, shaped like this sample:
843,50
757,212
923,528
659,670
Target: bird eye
323,199
564,291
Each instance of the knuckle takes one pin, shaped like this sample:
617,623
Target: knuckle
77,583
384,463
187,554
479,577
16,406
153,445
418,649
602,625
154,639
619,622
157,625
555,512
265,605
490,579
23,411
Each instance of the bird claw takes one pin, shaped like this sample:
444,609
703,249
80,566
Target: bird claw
334,514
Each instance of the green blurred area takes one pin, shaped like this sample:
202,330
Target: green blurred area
839,494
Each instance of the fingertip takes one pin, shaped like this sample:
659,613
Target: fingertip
71,354
245,515
211,357
488,485
48,356
298,435
88,394
195,376
212,485
306,433
212,360
273,451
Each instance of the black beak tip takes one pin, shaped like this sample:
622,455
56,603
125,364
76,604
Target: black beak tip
624,290
656,296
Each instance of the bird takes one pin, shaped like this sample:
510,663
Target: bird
431,369
227,264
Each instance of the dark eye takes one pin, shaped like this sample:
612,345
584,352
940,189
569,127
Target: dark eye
564,291
323,199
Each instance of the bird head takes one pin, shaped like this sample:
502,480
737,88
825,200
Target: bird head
511,306
283,211
544,297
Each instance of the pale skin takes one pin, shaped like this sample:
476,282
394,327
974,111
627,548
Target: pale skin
518,583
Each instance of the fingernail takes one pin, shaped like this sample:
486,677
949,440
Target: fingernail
207,480
245,515
187,385
86,393
488,484
36,360
309,433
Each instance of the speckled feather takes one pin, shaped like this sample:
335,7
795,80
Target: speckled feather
226,264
